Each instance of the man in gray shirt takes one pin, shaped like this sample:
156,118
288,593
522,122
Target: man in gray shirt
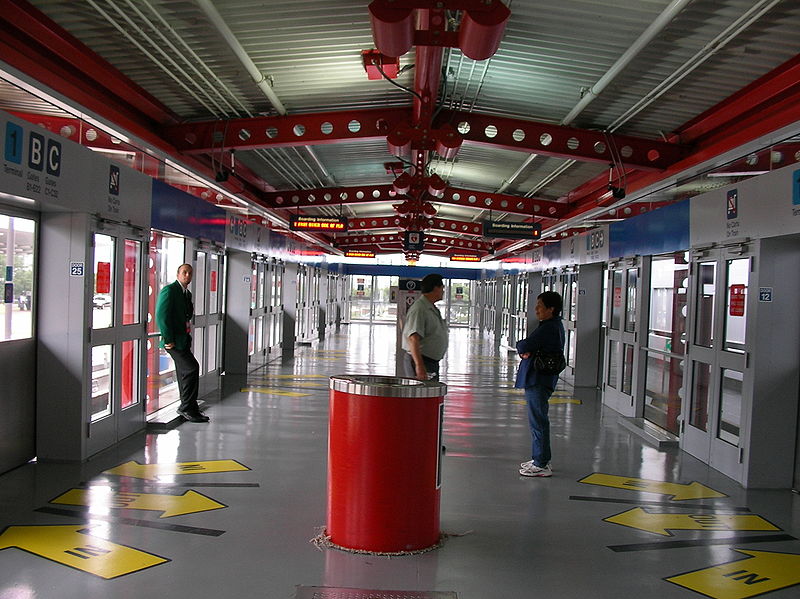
425,334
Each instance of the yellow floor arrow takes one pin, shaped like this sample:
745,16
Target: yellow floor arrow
762,572
273,391
67,546
172,505
153,471
661,524
679,492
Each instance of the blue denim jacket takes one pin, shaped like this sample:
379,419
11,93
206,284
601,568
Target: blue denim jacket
548,336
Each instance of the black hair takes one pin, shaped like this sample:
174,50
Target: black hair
431,282
551,299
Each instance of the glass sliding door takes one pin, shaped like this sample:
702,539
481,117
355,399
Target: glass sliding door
115,359
666,340
166,254
717,357
622,344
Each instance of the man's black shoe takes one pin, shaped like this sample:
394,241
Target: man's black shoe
198,417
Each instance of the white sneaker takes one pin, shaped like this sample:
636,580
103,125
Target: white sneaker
529,463
531,470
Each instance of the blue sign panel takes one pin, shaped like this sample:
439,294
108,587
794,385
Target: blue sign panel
13,145
652,233
179,212
796,188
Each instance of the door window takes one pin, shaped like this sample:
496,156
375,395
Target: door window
698,412
737,275
706,296
130,373
131,283
730,406
102,370
17,235
613,365
630,304
103,298
617,302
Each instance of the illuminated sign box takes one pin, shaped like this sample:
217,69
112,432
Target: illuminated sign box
464,258
506,230
359,254
413,241
299,222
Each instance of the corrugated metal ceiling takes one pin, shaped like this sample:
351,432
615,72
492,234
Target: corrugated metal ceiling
551,53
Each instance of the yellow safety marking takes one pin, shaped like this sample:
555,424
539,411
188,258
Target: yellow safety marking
172,505
762,572
67,546
311,384
153,471
661,523
273,391
679,492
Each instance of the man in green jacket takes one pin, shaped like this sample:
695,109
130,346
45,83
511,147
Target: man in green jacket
174,312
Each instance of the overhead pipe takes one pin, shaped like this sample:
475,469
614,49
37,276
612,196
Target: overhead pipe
656,27
710,49
258,77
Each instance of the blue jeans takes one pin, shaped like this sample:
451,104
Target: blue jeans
537,398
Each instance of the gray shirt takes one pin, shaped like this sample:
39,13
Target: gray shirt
424,319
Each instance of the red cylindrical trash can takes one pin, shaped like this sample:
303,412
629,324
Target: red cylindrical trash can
384,463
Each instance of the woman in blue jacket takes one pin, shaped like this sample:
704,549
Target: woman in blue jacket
548,337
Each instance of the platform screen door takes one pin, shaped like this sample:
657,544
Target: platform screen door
715,395
115,377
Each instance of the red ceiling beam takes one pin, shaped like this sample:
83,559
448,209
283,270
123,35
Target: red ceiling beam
754,99
480,200
280,131
337,127
563,142
369,223
366,241
500,202
781,113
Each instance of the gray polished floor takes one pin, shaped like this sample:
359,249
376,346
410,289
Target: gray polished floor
261,462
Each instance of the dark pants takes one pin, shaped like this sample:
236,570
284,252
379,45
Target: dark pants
432,366
537,398
188,372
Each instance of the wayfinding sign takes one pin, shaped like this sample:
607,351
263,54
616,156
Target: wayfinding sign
509,230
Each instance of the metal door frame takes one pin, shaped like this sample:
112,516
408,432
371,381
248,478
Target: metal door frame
616,397
120,423
707,445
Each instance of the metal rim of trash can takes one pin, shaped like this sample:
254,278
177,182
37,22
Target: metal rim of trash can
386,386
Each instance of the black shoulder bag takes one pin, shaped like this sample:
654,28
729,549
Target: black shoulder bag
549,362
